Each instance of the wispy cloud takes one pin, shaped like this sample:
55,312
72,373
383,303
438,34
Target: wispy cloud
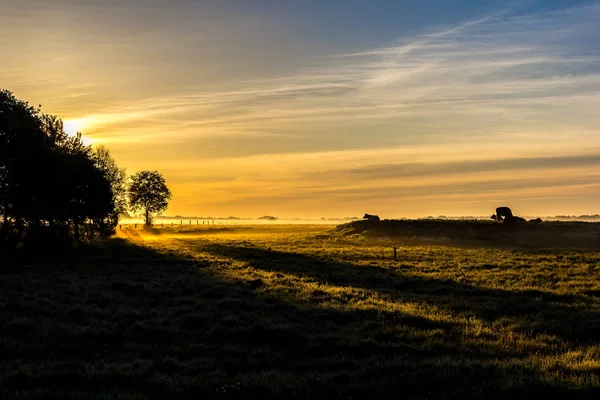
450,180
498,106
504,75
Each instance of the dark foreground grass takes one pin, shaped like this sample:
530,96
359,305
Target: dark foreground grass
286,314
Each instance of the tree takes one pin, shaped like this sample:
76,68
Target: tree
52,186
117,179
148,192
21,147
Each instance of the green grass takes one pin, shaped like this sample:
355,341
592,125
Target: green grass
300,312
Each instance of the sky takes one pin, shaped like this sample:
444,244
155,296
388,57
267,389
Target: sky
326,108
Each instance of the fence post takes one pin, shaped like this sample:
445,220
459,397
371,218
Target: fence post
395,259
181,222
120,227
171,224
162,225
134,226
190,221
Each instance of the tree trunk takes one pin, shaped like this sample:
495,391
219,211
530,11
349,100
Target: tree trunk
5,220
52,227
20,228
147,217
76,228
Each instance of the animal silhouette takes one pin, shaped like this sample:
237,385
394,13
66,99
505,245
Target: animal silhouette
502,213
370,217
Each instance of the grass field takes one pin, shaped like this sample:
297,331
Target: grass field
306,312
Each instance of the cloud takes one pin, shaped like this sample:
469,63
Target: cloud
509,75
447,181
499,106
502,74
505,167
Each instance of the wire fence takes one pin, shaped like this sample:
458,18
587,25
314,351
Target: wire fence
174,224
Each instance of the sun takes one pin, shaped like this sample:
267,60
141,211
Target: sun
72,126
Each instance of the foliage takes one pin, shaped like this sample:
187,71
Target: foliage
148,192
252,312
51,189
116,176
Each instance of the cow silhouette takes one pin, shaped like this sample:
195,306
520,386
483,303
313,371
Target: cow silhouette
370,217
502,213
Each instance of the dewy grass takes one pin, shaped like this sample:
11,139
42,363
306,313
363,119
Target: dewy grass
301,312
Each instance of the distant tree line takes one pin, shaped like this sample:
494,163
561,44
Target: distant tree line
54,189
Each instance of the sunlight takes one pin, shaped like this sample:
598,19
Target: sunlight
87,141
72,126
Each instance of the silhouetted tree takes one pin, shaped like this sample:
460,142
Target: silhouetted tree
22,144
118,186
148,192
52,186
90,195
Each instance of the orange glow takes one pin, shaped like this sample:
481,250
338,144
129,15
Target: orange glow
248,120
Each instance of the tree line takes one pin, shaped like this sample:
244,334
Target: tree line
54,189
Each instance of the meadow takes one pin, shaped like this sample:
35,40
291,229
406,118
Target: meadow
308,311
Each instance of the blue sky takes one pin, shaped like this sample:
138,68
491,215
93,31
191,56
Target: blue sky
310,108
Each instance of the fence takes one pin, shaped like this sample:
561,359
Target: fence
172,224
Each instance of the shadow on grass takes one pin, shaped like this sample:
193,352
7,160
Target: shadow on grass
124,321
535,312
